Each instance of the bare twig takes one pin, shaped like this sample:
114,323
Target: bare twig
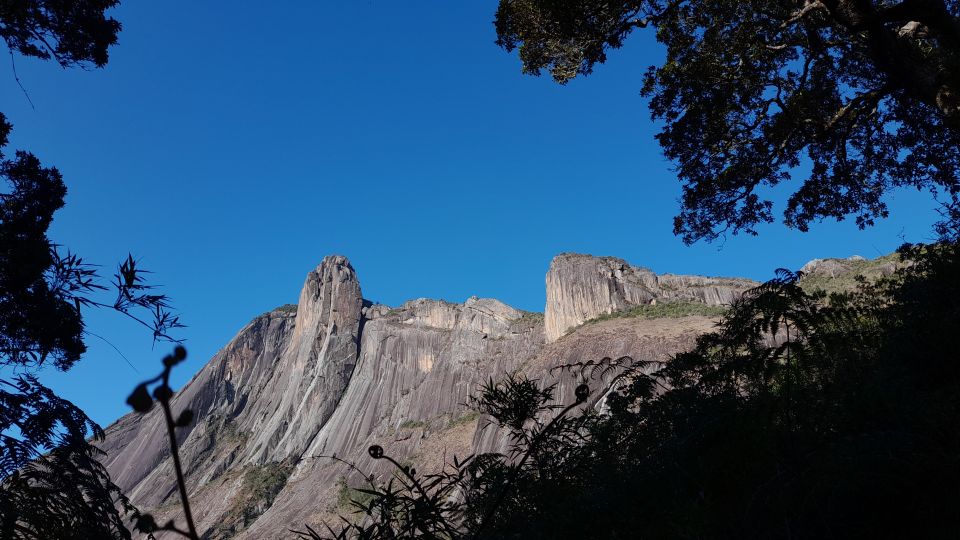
16,77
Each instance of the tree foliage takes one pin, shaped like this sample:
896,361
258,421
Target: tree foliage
53,485
857,97
73,32
51,482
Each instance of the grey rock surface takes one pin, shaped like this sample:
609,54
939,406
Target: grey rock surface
581,287
294,390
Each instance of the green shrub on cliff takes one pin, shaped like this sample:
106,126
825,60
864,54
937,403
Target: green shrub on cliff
663,310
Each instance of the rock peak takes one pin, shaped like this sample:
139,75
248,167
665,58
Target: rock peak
313,371
335,261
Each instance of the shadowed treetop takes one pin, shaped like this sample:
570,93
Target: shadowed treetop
70,32
867,93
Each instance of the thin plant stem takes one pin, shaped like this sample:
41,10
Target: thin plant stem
181,483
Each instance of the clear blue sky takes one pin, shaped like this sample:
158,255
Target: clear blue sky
230,146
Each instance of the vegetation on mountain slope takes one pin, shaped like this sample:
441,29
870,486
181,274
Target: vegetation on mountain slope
663,310
259,488
844,275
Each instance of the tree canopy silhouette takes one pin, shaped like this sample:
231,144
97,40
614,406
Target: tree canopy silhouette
857,97
73,32
51,484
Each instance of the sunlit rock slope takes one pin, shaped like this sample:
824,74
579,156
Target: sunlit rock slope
299,387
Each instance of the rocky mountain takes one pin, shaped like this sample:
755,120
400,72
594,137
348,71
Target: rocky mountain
303,387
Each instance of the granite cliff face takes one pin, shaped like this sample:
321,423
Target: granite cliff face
581,287
296,388
262,399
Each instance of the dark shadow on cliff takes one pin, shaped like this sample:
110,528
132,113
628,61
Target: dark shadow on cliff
802,415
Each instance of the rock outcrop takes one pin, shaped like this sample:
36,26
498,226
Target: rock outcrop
316,365
855,265
296,391
581,287
843,275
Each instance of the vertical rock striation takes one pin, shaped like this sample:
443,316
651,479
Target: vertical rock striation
226,398
581,287
297,387
262,399
419,365
316,365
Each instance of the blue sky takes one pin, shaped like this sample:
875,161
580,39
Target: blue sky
231,149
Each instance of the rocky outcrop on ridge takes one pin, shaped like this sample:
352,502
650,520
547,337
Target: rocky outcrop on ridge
581,287
296,389
843,275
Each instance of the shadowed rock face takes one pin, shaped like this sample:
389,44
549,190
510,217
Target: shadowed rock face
292,390
581,287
